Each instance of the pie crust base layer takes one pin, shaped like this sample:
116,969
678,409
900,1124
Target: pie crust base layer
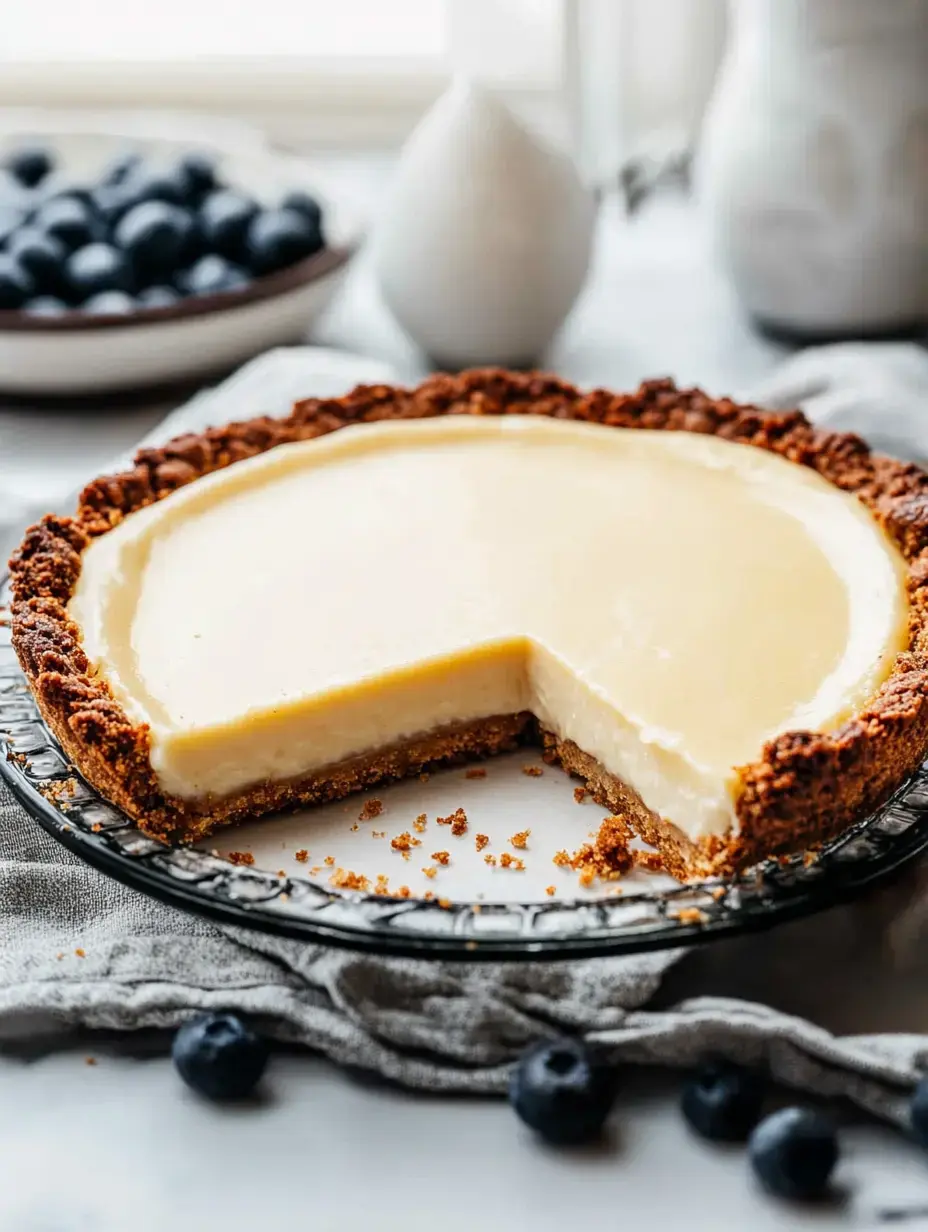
806,786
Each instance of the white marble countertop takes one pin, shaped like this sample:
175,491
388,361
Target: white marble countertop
122,1145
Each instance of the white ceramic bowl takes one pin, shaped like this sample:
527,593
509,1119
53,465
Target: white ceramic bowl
80,354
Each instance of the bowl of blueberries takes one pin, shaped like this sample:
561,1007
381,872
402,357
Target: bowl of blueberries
123,266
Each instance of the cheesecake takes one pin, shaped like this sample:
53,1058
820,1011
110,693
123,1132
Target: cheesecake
714,616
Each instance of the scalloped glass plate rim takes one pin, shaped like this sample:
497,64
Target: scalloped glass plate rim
301,909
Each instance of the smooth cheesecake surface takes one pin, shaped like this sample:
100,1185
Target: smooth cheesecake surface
668,601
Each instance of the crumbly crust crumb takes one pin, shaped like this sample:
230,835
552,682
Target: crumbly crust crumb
456,820
345,879
405,842
606,858
690,915
651,861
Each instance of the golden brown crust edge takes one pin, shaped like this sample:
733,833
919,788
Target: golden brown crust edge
805,788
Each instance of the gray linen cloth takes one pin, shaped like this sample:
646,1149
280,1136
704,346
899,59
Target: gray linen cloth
455,1027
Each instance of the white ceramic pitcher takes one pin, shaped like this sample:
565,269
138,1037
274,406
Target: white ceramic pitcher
813,167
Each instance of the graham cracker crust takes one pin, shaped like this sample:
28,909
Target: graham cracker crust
804,788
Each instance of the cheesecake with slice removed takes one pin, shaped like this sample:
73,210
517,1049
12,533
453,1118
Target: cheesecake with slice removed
714,616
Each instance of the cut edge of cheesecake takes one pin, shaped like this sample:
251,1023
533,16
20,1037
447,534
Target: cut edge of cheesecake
805,788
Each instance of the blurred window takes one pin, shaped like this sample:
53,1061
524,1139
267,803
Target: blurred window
360,72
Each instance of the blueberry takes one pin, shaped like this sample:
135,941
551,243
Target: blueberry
68,220
560,1090
77,192
211,275
219,1056
109,303
146,184
157,297
45,306
198,172
306,204
723,1101
793,1153
41,255
110,202
29,164
98,267
225,217
154,235
277,238
121,168
16,284
11,219
14,195
918,1112
152,184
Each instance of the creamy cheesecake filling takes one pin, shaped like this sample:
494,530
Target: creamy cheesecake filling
665,600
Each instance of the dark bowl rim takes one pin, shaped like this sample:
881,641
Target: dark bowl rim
300,274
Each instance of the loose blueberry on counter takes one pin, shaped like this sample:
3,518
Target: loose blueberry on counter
157,297
45,306
29,164
41,255
95,268
559,1089
109,303
225,217
723,1101
918,1112
219,1056
306,204
793,1153
16,284
211,275
154,235
277,238
67,219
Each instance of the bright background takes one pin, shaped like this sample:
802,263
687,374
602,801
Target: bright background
350,73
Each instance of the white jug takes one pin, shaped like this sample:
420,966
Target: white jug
813,167
483,242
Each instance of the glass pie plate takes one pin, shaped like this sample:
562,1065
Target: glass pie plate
478,910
